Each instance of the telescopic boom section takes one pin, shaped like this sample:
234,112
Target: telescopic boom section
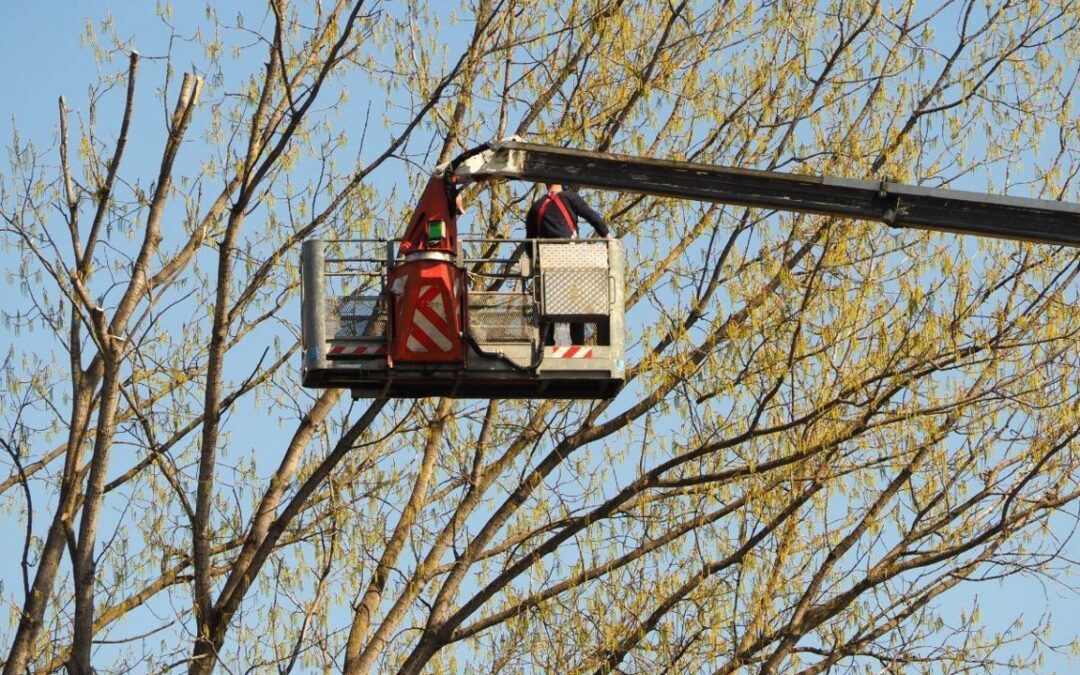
895,204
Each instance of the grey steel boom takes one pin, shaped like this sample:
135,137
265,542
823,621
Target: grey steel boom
895,204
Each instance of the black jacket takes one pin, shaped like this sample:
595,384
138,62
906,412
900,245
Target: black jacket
554,225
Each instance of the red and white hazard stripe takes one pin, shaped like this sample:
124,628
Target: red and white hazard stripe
430,326
572,352
357,350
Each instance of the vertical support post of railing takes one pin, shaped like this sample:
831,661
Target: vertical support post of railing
313,305
462,308
617,307
391,299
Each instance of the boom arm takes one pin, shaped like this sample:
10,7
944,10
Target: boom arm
895,204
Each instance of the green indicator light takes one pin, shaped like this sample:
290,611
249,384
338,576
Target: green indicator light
436,229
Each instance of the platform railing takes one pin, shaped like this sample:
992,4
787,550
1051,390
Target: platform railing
502,304
510,293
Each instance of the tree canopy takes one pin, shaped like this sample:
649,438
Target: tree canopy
830,428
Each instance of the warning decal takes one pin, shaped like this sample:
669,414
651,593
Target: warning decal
431,331
572,352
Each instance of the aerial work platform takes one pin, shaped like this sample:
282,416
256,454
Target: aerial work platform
433,314
474,332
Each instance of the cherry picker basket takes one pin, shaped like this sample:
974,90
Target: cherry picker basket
506,290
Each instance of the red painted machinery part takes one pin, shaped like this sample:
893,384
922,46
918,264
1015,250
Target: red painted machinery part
427,322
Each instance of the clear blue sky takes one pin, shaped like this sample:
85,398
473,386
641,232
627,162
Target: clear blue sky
40,47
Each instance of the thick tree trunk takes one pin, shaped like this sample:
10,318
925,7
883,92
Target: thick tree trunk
85,572
29,629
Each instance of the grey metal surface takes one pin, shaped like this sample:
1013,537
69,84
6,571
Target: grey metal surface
574,279
896,204
553,365
312,304
574,254
616,325
574,293
521,354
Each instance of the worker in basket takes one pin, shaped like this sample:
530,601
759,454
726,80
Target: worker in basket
555,216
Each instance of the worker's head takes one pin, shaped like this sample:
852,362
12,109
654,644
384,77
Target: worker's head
559,187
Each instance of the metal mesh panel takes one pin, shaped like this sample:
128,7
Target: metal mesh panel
575,278
574,254
575,292
500,317
356,317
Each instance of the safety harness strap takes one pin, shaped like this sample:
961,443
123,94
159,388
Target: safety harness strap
553,197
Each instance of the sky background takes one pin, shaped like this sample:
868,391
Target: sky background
41,47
